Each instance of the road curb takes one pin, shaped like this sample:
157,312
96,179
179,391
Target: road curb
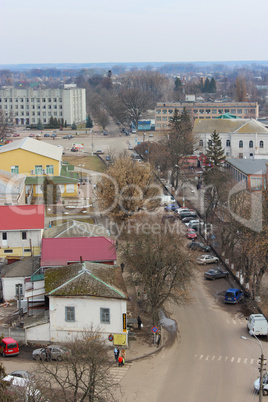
146,355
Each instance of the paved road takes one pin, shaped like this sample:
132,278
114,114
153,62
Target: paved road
207,363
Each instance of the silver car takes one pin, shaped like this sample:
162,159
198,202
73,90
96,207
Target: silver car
207,259
51,352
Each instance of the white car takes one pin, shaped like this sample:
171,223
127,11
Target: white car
265,385
193,221
207,259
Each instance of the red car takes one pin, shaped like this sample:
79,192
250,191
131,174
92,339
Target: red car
16,135
191,234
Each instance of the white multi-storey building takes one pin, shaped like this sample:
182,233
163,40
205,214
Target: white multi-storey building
28,106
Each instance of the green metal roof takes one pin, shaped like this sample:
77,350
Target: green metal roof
56,180
227,116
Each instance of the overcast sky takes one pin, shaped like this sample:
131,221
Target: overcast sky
86,31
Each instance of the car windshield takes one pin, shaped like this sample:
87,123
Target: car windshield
229,294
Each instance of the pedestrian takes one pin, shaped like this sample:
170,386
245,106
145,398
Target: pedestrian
139,322
118,353
122,267
120,361
115,354
123,353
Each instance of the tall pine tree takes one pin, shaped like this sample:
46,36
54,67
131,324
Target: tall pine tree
215,152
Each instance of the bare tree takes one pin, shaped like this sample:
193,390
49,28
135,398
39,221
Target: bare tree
82,375
134,102
160,260
126,189
6,125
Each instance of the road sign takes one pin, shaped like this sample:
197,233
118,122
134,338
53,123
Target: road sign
154,329
213,237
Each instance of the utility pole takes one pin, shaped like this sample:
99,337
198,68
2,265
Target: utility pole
261,362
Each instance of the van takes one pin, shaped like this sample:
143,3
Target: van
257,324
9,347
167,199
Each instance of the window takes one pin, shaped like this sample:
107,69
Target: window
69,314
226,110
261,144
195,110
60,99
69,188
250,144
240,144
239,111
164,111
44,107
245,111
49,169
33,113
105,315
158,111
44,99
8,251
55,99
33,120
228,143
15,169
158,118
208,111
49,99
27,250
220,111
214,111
21,106
55,106
201,111
18,288
55,113
164,118
256,183
32,99
240,156
233,111
37,99
49,114
24,235
201,143
38,169
44,114
4,235
170,111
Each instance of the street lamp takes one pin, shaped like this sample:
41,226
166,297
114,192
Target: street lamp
261,361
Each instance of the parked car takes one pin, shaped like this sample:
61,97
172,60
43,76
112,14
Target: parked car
207,259
99,152
16,135
187,219
233,295
31,135
38,135
68,137
150,135
192,222
216,273
257,324
170,207
130,147
265,384
198,246
105,132
191,234
9,347
46,135
21,374
53,135
73,149
51,352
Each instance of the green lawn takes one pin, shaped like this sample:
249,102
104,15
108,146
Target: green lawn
90,162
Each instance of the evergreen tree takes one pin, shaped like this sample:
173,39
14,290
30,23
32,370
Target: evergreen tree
215,152
207,85
178,84
89,123
40,125
74,126
65,123
212,85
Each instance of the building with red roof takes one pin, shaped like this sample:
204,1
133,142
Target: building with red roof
21,230
60,251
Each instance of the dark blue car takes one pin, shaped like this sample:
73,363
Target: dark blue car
171,207
233,295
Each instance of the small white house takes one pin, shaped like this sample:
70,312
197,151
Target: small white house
82,296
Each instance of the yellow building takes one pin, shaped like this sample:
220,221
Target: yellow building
31,157
68,186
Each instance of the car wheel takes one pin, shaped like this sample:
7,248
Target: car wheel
217,260
3,354
265,392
